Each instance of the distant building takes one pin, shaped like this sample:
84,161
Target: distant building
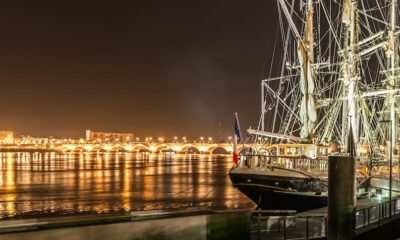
6,137
108,136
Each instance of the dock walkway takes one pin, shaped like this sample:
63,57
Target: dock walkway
370,214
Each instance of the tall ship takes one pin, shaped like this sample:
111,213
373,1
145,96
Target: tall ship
337,85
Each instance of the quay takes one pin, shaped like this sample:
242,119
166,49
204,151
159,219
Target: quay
372,222
192,223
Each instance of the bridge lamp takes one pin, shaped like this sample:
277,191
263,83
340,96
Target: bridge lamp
230,139
138,139
160,139
175,138
201,138
184,139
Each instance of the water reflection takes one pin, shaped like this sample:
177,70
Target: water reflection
42,184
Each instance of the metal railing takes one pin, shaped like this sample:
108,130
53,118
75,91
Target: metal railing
315,226
289,227
294,163
377,213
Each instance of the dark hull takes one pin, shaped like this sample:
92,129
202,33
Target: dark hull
281,192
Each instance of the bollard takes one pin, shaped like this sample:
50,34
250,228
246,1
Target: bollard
341,198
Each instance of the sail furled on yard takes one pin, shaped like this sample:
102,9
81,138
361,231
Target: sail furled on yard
308,112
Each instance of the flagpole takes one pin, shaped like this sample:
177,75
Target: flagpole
236,140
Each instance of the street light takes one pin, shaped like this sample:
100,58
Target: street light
201,139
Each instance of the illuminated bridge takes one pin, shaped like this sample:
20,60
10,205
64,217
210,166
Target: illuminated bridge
153,147
205,148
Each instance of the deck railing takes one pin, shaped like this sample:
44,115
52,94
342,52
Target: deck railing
294,163
315,226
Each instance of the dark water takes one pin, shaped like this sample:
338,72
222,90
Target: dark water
53,184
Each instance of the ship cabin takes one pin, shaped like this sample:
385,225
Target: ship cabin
299,150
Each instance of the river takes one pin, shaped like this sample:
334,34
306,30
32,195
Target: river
56,184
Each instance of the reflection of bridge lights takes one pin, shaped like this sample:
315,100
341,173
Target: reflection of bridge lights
107,148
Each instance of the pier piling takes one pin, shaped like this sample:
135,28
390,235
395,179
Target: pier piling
341,198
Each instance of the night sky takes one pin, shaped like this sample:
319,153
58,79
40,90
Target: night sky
154,68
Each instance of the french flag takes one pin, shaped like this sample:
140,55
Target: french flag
236,140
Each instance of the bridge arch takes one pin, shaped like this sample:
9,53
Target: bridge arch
79,149
219,150
140,148
98,148
190,149
162,147
118,148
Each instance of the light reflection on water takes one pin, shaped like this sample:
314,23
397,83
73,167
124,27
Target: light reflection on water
43,184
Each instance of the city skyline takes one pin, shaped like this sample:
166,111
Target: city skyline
178,69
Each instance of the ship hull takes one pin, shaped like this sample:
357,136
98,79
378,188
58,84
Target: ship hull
286,191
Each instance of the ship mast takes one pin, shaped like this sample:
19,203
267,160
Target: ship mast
349,70
392,72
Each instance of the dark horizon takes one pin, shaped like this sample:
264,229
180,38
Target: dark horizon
173,68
